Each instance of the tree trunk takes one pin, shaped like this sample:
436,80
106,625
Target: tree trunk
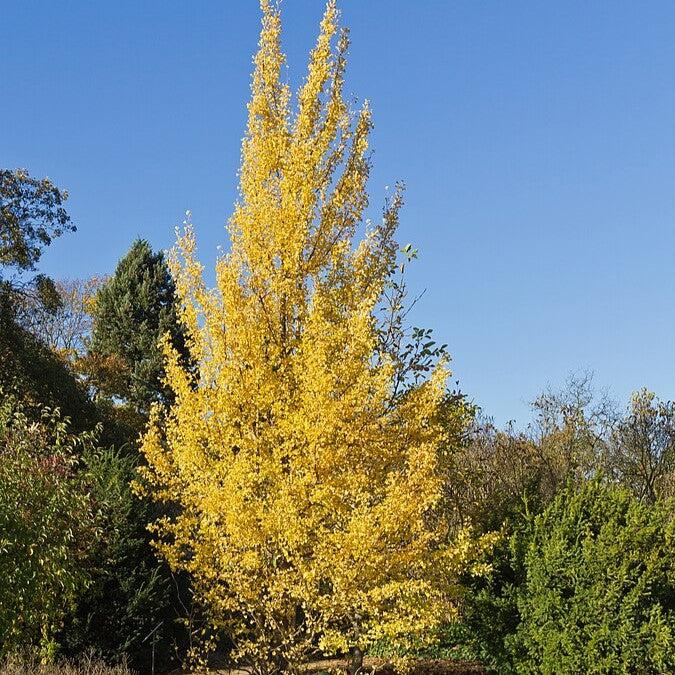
356,665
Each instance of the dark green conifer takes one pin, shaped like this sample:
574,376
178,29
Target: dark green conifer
133,310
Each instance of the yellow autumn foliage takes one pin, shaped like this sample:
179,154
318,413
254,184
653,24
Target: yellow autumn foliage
308,486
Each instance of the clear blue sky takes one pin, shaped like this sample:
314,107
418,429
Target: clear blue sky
537,141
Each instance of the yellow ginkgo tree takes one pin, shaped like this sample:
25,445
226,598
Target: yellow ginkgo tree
303,457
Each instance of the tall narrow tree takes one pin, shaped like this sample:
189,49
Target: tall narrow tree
307,483
132,311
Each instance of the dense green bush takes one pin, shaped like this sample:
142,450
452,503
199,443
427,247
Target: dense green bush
489,611
131,592
586,586
599,589
37,375
46,525
77,572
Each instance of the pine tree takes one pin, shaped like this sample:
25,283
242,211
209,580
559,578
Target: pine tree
307,482
133,311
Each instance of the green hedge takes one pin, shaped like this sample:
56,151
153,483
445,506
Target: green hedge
599,586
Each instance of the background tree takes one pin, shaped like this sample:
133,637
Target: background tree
641,453
570,429
40,377
505,477
132,311
31,216
497,474
77,571
110,331
65,329
66,591
493,474
58,337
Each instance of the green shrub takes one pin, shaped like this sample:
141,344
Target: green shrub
452,641
37,376
131,592
77,572
490,611
599,585
45,527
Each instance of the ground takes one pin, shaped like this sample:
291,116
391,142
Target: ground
380,666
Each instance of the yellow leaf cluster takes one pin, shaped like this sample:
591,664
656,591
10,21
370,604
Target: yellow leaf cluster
307,493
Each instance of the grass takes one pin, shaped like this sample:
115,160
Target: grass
86,665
